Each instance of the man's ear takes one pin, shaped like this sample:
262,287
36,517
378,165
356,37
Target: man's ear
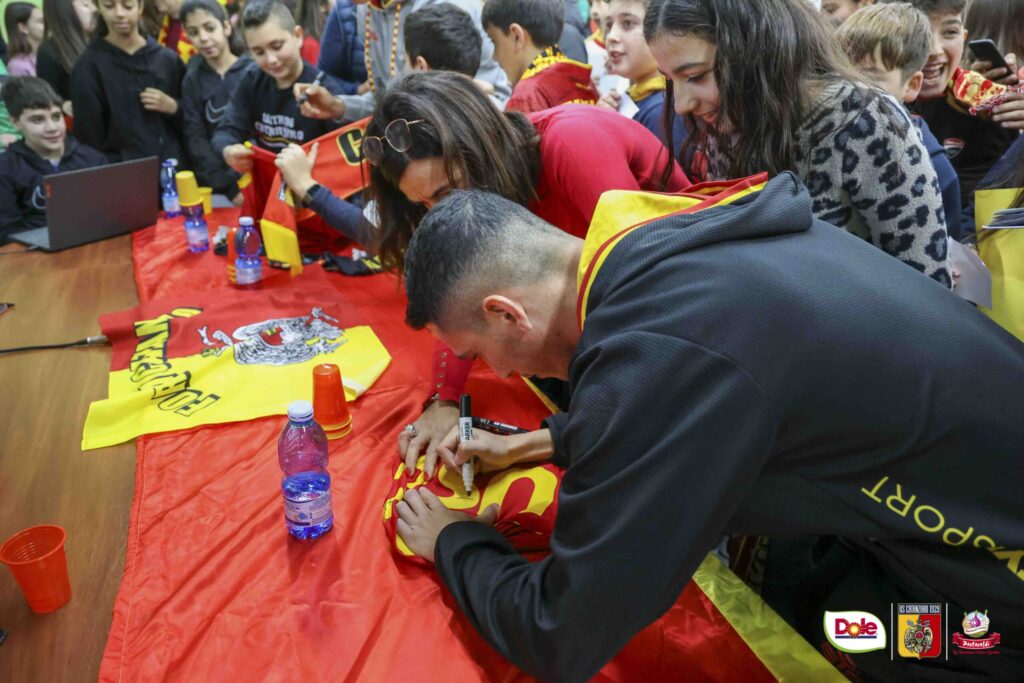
501,310
419,64
912,88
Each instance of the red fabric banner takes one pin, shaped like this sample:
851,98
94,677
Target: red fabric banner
214,588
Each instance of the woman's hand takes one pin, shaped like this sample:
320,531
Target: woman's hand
610,100
238,157
320,103
1010,114
430,429
297,168
494,452
158,100
998,74
238,199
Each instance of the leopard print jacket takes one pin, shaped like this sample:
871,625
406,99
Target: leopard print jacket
868,172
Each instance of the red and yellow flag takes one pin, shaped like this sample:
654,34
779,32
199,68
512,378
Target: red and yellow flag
225,357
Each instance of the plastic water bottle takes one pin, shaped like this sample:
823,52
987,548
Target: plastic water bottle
197,235
170,192
306,486
248,267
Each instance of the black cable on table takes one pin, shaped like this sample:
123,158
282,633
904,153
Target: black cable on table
96,340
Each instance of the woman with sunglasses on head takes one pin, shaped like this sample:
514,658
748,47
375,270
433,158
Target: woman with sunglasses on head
436,131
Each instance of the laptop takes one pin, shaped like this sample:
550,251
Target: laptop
93,204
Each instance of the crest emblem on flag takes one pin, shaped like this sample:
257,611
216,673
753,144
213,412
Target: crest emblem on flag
920,630
280,341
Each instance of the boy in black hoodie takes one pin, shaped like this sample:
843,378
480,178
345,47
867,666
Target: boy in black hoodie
46,148
263,106
125,89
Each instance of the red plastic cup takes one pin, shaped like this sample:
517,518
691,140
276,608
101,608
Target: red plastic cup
330,409
37,560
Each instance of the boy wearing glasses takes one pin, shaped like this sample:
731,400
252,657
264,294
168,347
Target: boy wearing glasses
262,107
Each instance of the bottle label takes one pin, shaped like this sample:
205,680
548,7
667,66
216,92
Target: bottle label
247,274
171,204
197,234
308,512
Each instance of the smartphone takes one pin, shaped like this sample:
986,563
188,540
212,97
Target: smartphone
987,51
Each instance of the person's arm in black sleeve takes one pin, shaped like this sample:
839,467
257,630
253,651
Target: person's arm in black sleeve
209,166
235,127
88,101
177,119
11,218
666,437
555,424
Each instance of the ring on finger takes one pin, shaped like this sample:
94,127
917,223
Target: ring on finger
411,428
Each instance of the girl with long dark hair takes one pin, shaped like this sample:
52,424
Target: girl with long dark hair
25,32
69,25
125,88
436,131
765,87
211,76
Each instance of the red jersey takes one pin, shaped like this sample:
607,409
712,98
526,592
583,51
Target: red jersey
584,152
552,79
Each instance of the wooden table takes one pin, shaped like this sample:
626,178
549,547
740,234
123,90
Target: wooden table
44,475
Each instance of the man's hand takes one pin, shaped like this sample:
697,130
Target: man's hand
238,157
422,517
494,452
320,103
297,168
431,428
158,100
998,74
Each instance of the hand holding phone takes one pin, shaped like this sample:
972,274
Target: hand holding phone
991,63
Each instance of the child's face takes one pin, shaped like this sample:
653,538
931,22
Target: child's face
171,7
890,80
948,37
276,50
840,10
690,63
43,129
628,53
207,34
86,12
509,49
34,27
121,16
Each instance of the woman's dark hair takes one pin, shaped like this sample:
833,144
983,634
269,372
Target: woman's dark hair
1002,21
64,31
482,149
771,57
311,15
17,13
216,10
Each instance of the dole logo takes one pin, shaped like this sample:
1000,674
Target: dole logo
854,631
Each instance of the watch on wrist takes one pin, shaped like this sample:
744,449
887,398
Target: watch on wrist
307,198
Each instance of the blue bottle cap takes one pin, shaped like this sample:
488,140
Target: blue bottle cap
300,411
244,221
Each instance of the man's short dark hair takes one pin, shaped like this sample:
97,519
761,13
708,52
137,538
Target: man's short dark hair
445,36
468,244
542,19
935,8
28,92
259,12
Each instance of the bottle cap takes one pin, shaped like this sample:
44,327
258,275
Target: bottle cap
300,411
245,220
188,189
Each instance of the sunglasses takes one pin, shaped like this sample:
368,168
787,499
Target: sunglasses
397,135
